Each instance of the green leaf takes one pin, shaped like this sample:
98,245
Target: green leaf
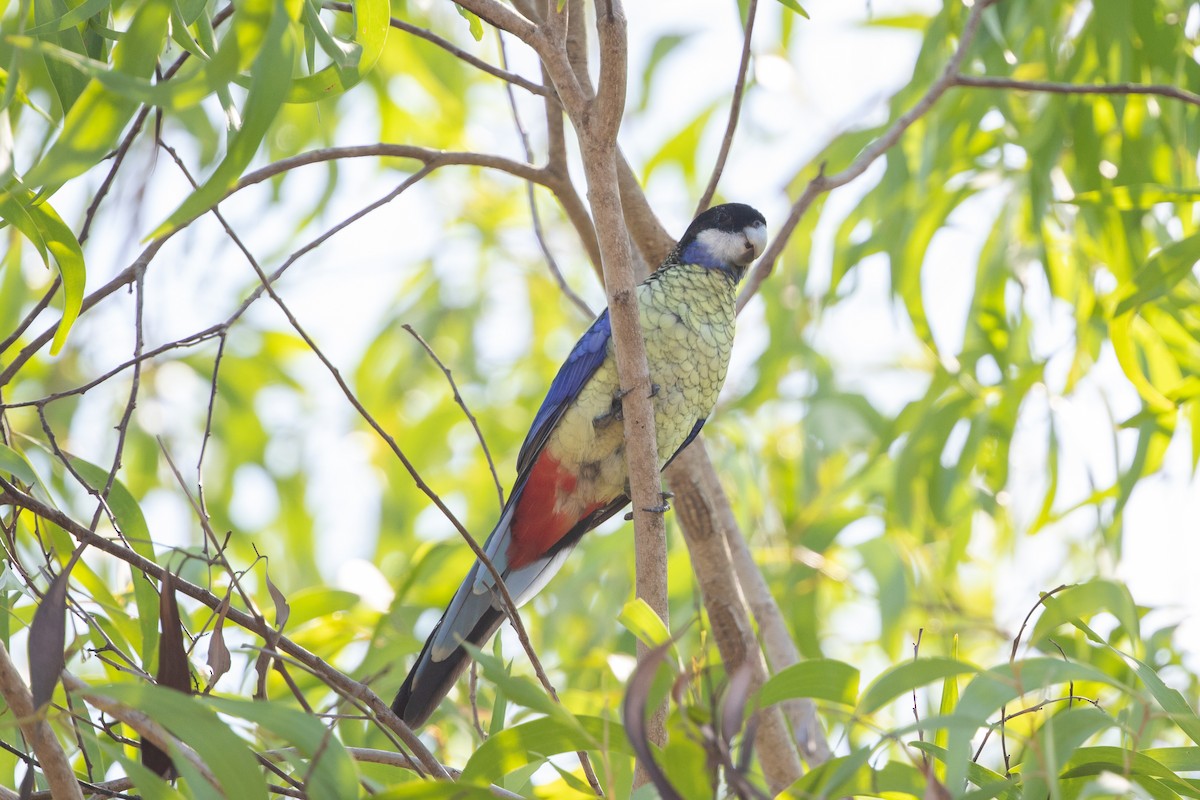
1095,760
1132,197
835,778
70,18
820,679
67,83
435,790
519,688
136,533
639,619
96,120
271,78
225,753
13,463
534,742
330,770
1160,274
473,20
372,20
344,54
992,784
949,698
52,238
1084,600
1171,701
910,675
149,785
794,6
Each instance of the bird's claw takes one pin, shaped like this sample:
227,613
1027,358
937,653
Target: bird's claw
661,508
616,411
654,387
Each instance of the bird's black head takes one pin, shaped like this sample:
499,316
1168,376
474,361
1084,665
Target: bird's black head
726,237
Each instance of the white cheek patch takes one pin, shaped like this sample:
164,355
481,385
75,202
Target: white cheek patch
725,246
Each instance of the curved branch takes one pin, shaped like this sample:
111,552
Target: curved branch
730,623
147,727
457,52
868,156
431,158
735,111
1051,87
332,677
37,731
428,156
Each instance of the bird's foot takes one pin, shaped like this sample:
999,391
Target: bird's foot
615,412
654,387
661,508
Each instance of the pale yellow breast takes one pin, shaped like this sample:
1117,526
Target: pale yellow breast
687,316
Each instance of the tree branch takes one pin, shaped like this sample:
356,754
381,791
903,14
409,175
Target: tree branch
735,111
773,632
37,731
147,727
332,677
868,156
1050,87
458,52
726,608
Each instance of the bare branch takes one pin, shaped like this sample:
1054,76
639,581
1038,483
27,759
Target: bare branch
431,158
37,731
730,622
868,156
1049,87
456,51
735,111
332,677
458,399
539,234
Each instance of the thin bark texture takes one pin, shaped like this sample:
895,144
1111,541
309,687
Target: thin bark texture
773,632
37,731
727,614
597,131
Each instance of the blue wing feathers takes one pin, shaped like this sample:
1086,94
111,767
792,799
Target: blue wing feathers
586,357
695,432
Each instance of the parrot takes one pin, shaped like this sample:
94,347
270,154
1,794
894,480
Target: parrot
571,470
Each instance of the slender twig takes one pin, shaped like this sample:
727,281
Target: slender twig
38,308
208,421
511,78
461,403
868,156
1052,87
538,233
431,159
735,111
139,341
266,285
331,676
53,761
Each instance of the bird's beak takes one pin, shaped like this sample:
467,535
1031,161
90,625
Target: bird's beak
756,241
